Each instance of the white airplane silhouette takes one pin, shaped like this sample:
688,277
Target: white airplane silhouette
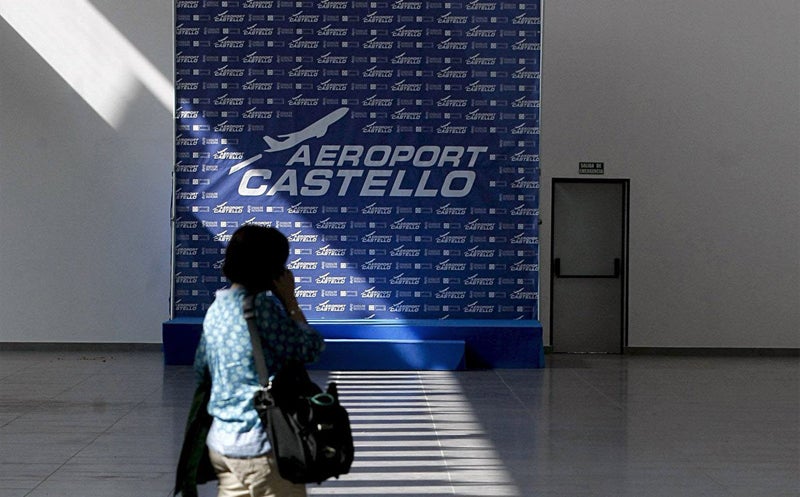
315,130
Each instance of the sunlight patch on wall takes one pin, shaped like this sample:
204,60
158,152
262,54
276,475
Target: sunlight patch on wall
89,53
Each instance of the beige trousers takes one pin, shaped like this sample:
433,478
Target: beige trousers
255,477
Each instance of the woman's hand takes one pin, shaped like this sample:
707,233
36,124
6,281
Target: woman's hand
283,288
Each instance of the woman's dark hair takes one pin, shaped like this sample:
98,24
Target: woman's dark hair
255,257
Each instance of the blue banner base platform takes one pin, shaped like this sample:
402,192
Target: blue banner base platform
398,345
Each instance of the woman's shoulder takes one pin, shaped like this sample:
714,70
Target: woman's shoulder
224,300
226,296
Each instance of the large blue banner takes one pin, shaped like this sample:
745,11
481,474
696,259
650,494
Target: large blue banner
394,143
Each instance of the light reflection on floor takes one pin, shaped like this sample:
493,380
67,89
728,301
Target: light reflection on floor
415,435
606,426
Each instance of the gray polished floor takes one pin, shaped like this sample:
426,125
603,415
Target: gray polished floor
104,424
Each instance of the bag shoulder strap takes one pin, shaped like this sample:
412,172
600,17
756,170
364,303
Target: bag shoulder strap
249,308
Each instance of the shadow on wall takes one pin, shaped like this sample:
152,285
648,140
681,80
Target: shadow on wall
117,67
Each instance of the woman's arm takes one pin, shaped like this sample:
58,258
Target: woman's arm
284,289
288,334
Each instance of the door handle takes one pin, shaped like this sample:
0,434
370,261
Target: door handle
617,271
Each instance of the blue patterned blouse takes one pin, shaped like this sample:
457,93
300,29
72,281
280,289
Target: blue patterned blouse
226,351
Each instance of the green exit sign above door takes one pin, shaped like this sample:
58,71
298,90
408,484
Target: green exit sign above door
591,168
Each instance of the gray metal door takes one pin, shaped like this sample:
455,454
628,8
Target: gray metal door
588,312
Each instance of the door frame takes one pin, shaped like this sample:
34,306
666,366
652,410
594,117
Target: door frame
625,183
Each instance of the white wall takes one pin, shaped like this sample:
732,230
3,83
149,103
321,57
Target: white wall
698,103
84,204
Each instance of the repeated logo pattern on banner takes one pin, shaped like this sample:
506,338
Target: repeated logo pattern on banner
395,143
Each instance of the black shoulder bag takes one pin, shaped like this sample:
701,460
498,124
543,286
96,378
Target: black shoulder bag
308,429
